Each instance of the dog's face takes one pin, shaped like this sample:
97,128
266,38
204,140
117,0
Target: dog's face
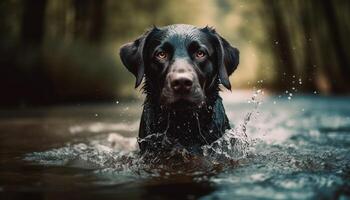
182,63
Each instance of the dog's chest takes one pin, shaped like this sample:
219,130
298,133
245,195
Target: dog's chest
188,129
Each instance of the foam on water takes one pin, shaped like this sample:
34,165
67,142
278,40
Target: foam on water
118,153
232,145
96,154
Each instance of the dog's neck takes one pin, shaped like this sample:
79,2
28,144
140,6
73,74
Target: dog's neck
191,128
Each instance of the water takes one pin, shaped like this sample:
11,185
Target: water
279,148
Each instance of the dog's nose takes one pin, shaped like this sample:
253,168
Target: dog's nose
181,84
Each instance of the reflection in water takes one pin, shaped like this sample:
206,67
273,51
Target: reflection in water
101,127
178,190
296,149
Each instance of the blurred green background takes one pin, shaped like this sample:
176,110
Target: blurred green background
66,51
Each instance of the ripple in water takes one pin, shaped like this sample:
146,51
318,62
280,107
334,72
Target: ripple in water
297,150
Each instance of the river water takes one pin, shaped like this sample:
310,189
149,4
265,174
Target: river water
279,148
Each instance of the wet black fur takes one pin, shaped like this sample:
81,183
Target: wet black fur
163,128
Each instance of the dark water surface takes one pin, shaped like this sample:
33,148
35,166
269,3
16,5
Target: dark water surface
296,149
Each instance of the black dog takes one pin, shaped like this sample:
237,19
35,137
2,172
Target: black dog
183,66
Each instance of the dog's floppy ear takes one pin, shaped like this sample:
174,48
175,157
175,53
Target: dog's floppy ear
131,55
228,57
228,62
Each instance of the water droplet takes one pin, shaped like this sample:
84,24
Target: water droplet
96,115
117,102
290,94
315,92
289,98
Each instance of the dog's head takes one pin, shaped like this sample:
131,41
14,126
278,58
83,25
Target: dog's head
182,64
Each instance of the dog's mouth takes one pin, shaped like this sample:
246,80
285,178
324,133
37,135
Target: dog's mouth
193,100
185,104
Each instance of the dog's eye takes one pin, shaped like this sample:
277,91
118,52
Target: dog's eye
200,54
161,55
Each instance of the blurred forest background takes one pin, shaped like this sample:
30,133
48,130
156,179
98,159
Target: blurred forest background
59,51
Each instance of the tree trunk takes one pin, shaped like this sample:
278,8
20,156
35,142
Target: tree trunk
32,27
339,46
279,37
309,72
89,20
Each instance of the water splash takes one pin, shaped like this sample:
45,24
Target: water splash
120,153
235,143
114,151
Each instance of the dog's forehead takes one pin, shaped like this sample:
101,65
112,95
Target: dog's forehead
181,30
182,34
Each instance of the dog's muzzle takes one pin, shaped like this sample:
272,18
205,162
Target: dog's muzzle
182,85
